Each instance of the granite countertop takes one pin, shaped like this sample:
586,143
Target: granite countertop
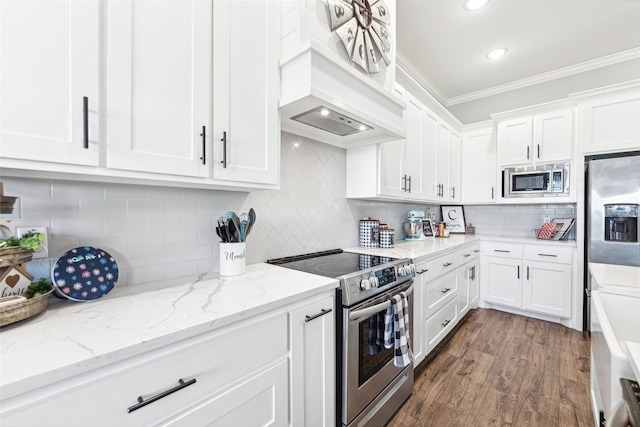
620,280
70,338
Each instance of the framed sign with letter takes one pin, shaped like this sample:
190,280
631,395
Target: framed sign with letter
453,216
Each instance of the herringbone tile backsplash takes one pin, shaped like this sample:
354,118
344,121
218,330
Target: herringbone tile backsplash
158,233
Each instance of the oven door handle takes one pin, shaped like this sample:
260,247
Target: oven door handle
366,312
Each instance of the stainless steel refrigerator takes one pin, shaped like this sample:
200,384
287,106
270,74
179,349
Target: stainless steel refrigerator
611,208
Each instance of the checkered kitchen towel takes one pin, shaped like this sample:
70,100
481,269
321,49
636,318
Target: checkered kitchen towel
396,331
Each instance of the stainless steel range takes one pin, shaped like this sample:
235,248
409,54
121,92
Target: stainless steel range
370,387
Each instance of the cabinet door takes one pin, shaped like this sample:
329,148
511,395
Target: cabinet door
415,150
479,168
464,277
391,167
159,85
455,191
50,62
442,163
502,281
474,283
547,288
246,91
552,136
313,364
419,314
514,141
260,400
430,161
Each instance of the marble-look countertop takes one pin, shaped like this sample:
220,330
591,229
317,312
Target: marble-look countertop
70,338
436,246
620,280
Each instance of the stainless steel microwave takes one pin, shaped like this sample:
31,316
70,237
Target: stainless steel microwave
536,181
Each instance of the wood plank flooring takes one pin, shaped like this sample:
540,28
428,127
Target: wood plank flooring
501,369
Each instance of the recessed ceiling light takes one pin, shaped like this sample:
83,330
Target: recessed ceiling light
324,112
475,4
496,53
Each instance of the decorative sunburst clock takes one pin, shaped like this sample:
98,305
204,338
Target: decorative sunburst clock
361,25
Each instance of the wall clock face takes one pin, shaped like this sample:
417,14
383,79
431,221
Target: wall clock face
363,27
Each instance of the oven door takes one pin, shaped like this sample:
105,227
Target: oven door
369,367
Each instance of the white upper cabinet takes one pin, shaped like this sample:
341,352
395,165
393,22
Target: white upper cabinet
246,90
609,119
535,139
479,179
158,86
419,125
50,63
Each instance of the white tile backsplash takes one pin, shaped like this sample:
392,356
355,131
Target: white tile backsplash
156,232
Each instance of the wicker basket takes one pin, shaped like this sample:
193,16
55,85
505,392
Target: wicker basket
24,310
14,255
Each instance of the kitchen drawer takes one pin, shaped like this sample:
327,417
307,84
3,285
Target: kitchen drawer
548,253
469,253
504,250
216,360
439,292
441,265
441,323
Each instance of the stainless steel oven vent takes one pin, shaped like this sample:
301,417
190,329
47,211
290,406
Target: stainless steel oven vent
331,121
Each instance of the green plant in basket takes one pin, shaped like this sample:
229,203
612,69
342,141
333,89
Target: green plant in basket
30,240
38,288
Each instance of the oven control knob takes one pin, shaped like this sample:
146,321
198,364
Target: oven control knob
365,285
374,281
412,267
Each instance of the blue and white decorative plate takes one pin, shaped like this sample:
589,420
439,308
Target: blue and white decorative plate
84,273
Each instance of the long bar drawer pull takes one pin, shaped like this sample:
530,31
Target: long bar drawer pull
466,255
85,122
422,271
447,264
551,255
445,290
501,250
141,402
322,313
445,323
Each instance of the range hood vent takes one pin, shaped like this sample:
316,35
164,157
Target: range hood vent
331,121
326,99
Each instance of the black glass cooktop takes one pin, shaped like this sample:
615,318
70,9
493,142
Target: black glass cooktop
334,263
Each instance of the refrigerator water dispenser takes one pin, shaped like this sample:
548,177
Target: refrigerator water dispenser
621,223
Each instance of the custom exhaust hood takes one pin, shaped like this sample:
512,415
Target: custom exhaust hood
326,100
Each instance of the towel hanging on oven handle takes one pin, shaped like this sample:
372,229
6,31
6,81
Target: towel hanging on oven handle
366,312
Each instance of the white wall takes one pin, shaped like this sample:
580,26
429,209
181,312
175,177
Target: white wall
156,232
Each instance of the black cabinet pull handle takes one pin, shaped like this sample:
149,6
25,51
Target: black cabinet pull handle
204,145
453,192
445,323
527,272
85,122
409,185
492,191
538,150
528,152
447,264
551,255
518,272
141,402
445,290
224,150
500,250
466,255
322,313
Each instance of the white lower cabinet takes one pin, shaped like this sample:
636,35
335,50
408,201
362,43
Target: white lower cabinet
258,401
441,323
443,285
261,371
530,277
312,364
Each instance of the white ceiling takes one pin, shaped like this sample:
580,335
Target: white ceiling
555,47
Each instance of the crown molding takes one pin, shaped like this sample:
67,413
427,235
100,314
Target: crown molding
604,61
416,74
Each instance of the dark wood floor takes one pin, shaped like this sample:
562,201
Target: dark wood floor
501,369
